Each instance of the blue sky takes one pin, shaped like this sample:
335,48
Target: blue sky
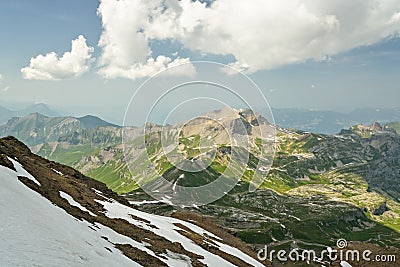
363,72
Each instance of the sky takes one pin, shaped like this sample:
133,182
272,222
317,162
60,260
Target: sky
90,57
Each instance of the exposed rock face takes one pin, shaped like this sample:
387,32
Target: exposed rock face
375,128
381,209
4,161
241,126
377,156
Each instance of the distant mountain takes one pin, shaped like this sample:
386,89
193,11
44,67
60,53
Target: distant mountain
52,215
326,122
395,126
330,122
35,128
90,122
37,108
6,114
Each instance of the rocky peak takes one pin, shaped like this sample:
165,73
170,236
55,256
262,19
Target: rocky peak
366,131
12,146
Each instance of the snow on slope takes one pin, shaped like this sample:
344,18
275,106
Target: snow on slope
34,232
166,227
72,202
22,172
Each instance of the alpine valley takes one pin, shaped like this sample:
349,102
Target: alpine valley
320,188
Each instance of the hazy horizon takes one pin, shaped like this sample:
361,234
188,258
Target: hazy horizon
118,120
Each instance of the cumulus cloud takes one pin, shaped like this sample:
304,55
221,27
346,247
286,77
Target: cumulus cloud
151,67
260,34
125,45
52,67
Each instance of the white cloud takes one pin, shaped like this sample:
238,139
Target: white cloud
125,47
260,34
1,78
395,18
52,67
151,67
5,89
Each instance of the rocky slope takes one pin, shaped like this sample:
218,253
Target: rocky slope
53,215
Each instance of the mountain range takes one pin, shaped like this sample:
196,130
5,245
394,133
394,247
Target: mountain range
7,114
320,187
315,121
36,128
58,217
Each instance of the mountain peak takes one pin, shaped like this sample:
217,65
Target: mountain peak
368,130
12,146
38,108
91,122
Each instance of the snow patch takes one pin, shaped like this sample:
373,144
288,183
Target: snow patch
22,172
117,238
166,199
166,227
138,203
72,202
239,254
177,180
177,260
345,264
58,172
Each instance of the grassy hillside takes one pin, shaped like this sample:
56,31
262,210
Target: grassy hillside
395,126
